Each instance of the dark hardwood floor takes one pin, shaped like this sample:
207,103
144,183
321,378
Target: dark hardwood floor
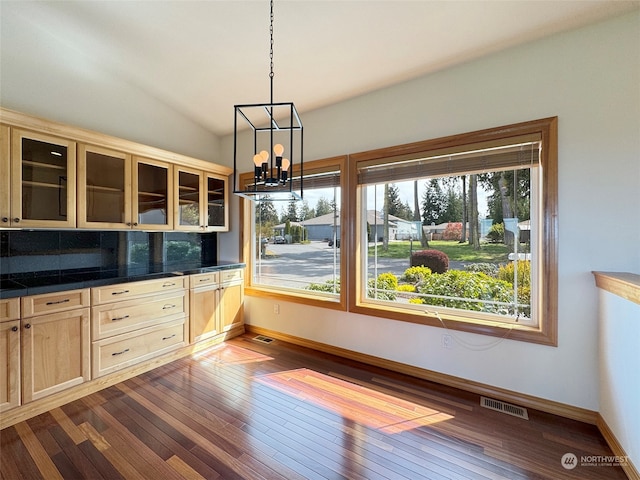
246,410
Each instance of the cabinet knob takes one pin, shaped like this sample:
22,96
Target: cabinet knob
28,325
5,220
135,224
128,224
16,220
14,329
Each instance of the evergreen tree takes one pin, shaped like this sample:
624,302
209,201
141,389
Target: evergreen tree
306,212
324,206
433,203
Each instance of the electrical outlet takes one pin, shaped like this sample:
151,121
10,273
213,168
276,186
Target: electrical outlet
447,341
276,309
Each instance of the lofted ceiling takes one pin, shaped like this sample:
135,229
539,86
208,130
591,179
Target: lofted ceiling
202,57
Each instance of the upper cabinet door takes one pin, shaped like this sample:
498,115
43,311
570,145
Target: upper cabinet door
188,199
104,188
5,179
153,194
216,202
43,185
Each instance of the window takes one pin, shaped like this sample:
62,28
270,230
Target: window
355,254
295,246
486,229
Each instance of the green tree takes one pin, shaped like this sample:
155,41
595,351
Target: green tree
453,206
395,205
291,213
306,212
324,206
433,203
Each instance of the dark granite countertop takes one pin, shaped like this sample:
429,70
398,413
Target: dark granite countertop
47,283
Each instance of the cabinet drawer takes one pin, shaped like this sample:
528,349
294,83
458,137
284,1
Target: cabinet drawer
123,291
125,350
9,309
122,317
202,279
228,276
54,302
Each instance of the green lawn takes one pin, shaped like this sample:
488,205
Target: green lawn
461,252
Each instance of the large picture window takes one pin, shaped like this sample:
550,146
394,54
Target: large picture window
459,232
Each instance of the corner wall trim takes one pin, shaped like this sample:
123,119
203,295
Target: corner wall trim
616,448
544,405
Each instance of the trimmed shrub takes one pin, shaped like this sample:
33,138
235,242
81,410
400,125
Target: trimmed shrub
435,260
490,269
496,233
466,285
407,288
506,273
415,274
329,286
453,231
384,287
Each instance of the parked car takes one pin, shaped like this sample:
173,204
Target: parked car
279,239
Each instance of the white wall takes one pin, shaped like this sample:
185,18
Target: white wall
619,367
42,76
590,79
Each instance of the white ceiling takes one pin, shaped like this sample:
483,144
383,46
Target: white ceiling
202,57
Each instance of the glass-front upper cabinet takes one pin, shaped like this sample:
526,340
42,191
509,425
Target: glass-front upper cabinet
43,181
152,194
104,188
5,179
189,205
217,201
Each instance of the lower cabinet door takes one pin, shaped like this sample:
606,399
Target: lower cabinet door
203,312
9,365
231,306
124,350
55,353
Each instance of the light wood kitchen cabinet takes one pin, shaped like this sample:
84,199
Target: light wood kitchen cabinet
204,300
9,353
133,322
200,200
231,299
43,181
55,347
5,175
216,303
104,188
152,194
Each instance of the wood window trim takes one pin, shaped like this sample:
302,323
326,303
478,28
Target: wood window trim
545,333
301,297
547,330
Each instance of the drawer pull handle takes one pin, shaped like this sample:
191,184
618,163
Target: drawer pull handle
28,325
204,279
59,302
120,353
14,329
119,318
167,307
120,292
168,285
170,336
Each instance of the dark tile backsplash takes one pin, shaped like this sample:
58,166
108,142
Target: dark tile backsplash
29,254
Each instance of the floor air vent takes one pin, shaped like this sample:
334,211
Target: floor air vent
503,407
263,339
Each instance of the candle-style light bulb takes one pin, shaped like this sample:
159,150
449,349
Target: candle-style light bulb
285,164
265,156
278,149
257,160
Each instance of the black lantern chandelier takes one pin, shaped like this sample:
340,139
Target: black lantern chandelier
277,146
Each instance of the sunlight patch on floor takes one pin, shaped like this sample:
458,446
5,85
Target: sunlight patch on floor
360,404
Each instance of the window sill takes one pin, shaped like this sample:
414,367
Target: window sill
313,300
